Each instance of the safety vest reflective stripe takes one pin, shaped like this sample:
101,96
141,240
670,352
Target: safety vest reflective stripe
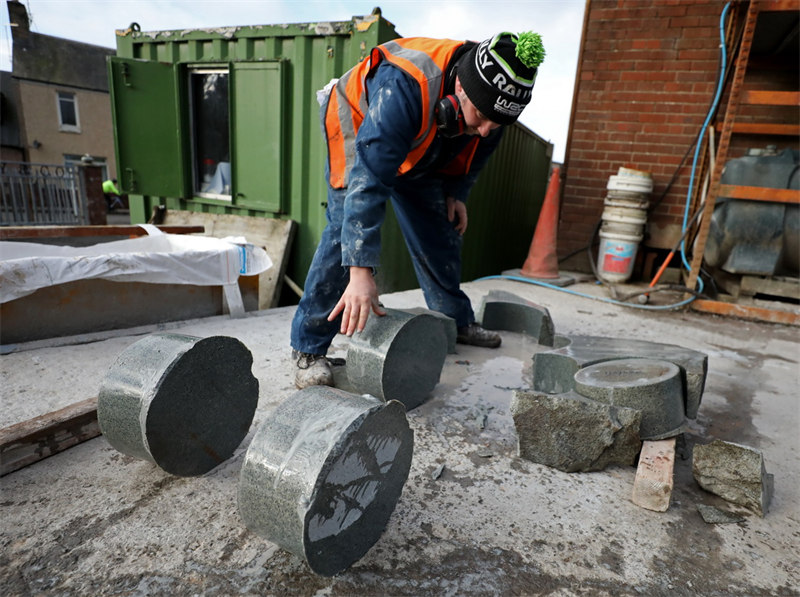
424,60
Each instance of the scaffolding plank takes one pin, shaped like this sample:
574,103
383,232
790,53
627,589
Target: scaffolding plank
771,98
759,193
761,128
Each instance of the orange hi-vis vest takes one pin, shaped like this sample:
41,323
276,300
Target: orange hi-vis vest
426,61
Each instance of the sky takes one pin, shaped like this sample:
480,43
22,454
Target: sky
559,22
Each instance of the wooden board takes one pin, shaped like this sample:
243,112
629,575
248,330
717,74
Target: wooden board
36,439
745,312
773,286
20,232
652,488
274,235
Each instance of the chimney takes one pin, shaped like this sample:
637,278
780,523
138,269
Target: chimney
18,17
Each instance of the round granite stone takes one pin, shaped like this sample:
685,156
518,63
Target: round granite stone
397,357
323,474
181,402
651,386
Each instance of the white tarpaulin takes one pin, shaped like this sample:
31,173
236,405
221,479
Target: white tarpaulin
158,258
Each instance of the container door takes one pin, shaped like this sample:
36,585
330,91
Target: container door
147,123
257,135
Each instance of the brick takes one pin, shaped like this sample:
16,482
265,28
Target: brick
652,487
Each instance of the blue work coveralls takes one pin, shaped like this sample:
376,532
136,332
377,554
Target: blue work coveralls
356,212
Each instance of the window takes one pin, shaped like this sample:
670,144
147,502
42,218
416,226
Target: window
211,158
176,124
68,118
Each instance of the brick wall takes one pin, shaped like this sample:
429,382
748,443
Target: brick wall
647,74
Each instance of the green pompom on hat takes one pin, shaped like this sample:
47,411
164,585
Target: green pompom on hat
530,49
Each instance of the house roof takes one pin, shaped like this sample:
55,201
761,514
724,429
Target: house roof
60,61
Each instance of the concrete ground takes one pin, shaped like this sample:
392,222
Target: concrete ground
91,521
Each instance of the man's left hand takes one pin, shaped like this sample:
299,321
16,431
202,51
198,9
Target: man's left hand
457,210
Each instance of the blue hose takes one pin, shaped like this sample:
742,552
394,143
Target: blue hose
712,109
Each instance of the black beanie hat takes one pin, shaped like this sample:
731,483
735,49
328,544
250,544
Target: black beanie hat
498,74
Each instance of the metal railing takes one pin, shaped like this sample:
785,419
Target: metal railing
40,195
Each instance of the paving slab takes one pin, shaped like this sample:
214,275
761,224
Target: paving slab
94,521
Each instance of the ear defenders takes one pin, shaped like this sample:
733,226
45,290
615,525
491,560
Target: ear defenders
449,117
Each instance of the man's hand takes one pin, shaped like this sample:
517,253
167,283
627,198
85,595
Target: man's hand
359,298
457,209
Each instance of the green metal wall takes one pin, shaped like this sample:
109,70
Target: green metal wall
152,132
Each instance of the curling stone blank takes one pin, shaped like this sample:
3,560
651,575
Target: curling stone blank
397,357
323,474
449,324
648,385
502,310
181,402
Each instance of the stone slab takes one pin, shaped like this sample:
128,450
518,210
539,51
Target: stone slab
397,357
734,472
323,474
554,370
649,385
501,310
572,433
449,324
181,402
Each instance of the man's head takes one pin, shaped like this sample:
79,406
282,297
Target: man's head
497,76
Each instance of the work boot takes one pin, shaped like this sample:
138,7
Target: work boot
476,335
311,370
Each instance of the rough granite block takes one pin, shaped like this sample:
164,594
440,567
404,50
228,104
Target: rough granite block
735,473
502,310
397,357
572,433
181,402
449,324
554,370
323,474
647,385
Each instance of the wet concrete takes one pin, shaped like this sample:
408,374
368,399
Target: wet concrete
94,521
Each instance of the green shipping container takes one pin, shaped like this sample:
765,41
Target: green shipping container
226,120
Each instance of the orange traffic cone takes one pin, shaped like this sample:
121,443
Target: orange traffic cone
542,261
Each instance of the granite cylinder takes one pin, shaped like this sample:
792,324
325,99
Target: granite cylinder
397,357
650,386
323,474
181,402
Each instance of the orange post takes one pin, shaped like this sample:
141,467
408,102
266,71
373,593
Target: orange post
542,261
